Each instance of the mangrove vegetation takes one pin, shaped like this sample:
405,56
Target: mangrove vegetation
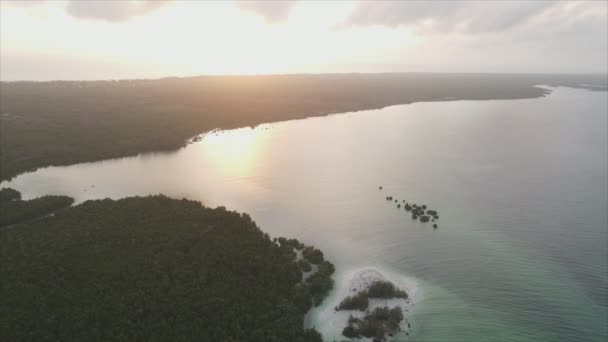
378,289
14,210
153,269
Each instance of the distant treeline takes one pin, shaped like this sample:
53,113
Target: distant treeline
153,269
61,122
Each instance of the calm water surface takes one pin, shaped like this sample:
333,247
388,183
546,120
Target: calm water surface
521,187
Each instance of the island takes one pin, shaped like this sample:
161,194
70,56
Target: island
419,211
369,304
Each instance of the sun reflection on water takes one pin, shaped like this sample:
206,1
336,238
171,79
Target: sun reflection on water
235,151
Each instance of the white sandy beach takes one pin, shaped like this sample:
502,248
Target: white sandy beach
331,322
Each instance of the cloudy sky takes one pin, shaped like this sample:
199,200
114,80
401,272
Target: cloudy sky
77,39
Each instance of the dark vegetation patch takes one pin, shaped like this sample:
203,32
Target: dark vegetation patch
8,194
385,289
304,265
320,282
379,324
378,289
293,243
360,302
14,210
152,269
419,211
312,255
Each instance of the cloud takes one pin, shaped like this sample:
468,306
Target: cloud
497,36
23,3
510,36
272,11
111,10
446,16
566,37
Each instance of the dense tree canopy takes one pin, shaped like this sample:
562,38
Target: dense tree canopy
8,194
152,269
385,289
312,255
14,210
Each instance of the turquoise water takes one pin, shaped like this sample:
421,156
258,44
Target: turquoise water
521,187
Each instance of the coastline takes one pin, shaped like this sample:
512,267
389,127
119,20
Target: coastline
165,121
199,137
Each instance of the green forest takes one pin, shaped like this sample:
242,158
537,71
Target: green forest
67,122
153,269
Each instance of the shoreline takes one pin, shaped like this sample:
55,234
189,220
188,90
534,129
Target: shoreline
164,121
200,137
330,322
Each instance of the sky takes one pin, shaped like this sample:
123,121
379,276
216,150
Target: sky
78,39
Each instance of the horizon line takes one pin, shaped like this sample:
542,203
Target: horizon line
308,74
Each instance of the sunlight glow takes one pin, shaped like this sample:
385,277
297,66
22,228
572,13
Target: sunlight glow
235,151
202,37
43,40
